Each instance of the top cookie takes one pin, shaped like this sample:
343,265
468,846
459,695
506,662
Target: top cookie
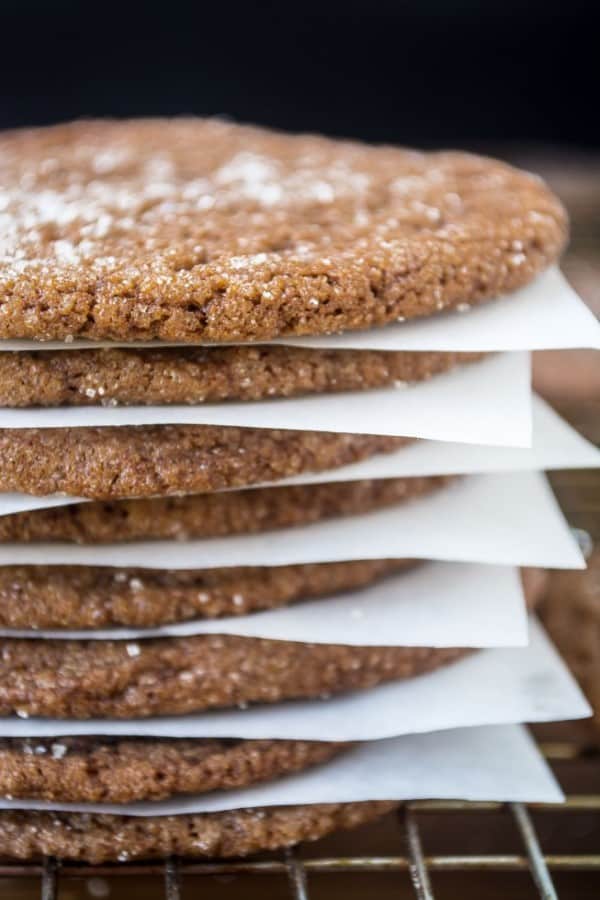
194,230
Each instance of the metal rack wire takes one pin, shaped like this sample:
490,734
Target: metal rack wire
414,862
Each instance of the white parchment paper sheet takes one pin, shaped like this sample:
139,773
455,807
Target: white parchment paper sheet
508,519
544,315
435,604
485,402
488,687
494,762
555,446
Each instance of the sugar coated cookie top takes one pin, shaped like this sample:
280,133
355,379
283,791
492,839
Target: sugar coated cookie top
194,230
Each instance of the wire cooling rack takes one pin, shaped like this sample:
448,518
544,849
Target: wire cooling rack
414,867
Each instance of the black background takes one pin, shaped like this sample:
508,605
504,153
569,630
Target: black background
464,73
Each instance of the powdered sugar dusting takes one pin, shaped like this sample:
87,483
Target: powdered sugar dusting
111,201
185,229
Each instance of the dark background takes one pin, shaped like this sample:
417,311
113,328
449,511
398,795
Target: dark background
432,72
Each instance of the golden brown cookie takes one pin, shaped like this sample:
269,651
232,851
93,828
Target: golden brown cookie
126,770
201,230
570,610
79,597
213,515
159,460
104,838
168,676
205,375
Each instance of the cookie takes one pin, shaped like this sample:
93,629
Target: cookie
98,839
143,461
168,676
205,375
213,515
127,770
570,610
79,597
195,230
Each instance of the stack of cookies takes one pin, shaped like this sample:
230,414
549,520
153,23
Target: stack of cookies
196,433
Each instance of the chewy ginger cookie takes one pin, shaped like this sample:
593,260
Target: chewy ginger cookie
149,460
79,597
96,839
126,770
205,375
195,230
76,679
213,515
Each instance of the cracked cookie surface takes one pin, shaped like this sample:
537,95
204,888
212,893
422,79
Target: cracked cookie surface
159,460
79,597
192,230
213,515
128,376
171,676
126,770
103,838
